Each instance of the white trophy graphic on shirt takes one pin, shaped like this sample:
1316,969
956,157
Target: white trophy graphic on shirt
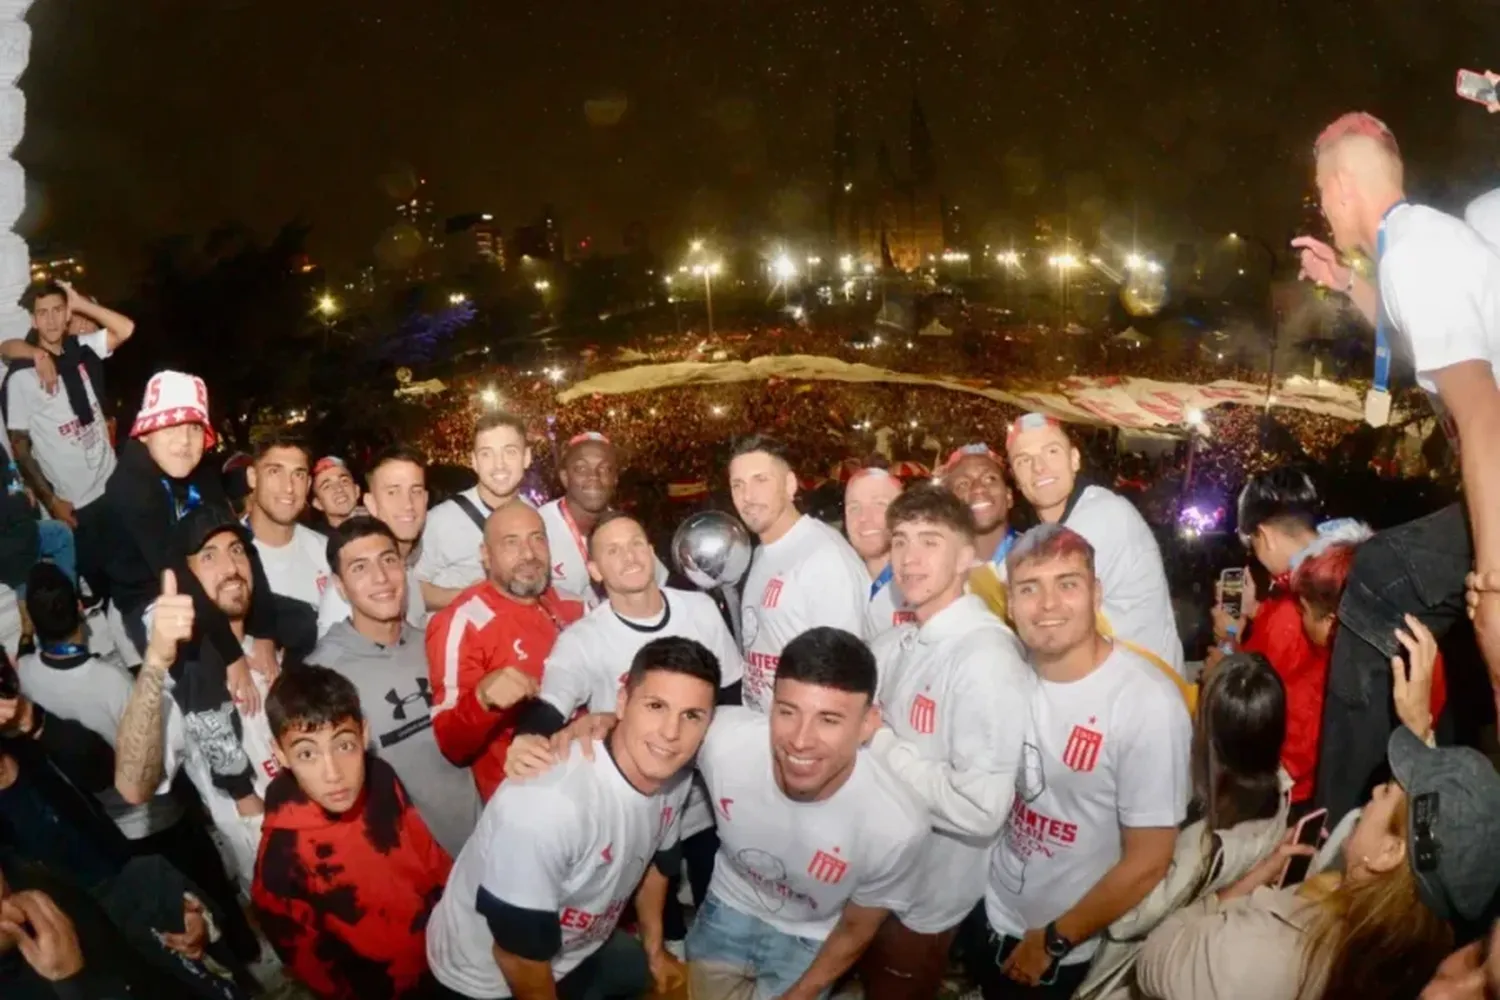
1031,782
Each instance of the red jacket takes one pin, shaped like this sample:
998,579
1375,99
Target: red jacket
1278,636
345,899
484,630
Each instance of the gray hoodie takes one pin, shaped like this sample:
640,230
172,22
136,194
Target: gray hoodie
396,697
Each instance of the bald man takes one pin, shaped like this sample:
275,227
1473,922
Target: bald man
866,499
1436,295
485,650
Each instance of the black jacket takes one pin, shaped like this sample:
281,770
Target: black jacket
142,505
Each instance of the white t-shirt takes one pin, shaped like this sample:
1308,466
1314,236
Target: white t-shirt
450,544
1440,287
570,570
806,578
333,609
94,694
590,661
1127,561
1102,753
954,693
575,841
298,569
76,460
591,658
796,864
888,609
238,836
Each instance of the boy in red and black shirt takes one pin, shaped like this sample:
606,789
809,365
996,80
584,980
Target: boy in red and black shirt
347,874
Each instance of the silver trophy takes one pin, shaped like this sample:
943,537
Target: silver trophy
712,549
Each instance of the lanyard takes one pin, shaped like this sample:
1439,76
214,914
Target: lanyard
1382,379
583,549
880,581
1003,550
194,499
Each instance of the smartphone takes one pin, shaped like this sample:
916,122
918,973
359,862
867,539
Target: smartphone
1231,590
1309,833
1475,87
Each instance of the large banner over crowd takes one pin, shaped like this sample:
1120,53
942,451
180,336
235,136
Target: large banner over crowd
1133,403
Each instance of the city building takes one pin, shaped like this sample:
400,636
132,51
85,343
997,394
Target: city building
417,237
541,240
474,238
878,211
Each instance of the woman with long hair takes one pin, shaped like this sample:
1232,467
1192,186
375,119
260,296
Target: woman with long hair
1421,857
1240,798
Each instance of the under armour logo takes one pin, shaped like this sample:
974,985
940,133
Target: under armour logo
398,703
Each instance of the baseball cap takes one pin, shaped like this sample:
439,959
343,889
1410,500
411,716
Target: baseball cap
172,399
1453,803
204,522
325,463
1029,422
963,452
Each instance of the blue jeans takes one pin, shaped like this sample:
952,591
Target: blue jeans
1415,568
734,956
55,545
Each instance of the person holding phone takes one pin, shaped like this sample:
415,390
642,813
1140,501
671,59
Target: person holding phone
1280,518
1420,859
1241,796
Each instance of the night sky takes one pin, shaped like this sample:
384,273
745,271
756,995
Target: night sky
149,117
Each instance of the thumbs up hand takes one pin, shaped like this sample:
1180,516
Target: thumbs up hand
171,623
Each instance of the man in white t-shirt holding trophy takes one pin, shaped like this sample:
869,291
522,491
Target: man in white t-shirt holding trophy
954,687
583,669
866,499
1103,787
803,574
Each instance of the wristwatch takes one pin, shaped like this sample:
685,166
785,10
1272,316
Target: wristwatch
1057,946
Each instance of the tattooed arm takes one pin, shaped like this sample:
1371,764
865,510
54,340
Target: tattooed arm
31,470
140,741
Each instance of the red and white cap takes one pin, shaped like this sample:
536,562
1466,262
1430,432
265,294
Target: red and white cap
1029,422
586,436
326,463
961,453
172,399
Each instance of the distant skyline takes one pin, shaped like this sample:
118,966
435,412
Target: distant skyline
170,117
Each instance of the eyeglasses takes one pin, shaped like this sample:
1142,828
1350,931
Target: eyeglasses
1424,814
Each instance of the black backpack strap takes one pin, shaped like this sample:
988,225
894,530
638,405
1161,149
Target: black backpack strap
468,507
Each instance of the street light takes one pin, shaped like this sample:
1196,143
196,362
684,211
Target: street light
708,272
783,268
489,397
1064,262
542,285
846,264
328,305
457,299
696,246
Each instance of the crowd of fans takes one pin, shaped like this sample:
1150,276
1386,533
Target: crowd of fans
274,723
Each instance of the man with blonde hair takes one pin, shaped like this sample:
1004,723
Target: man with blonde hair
1437,286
